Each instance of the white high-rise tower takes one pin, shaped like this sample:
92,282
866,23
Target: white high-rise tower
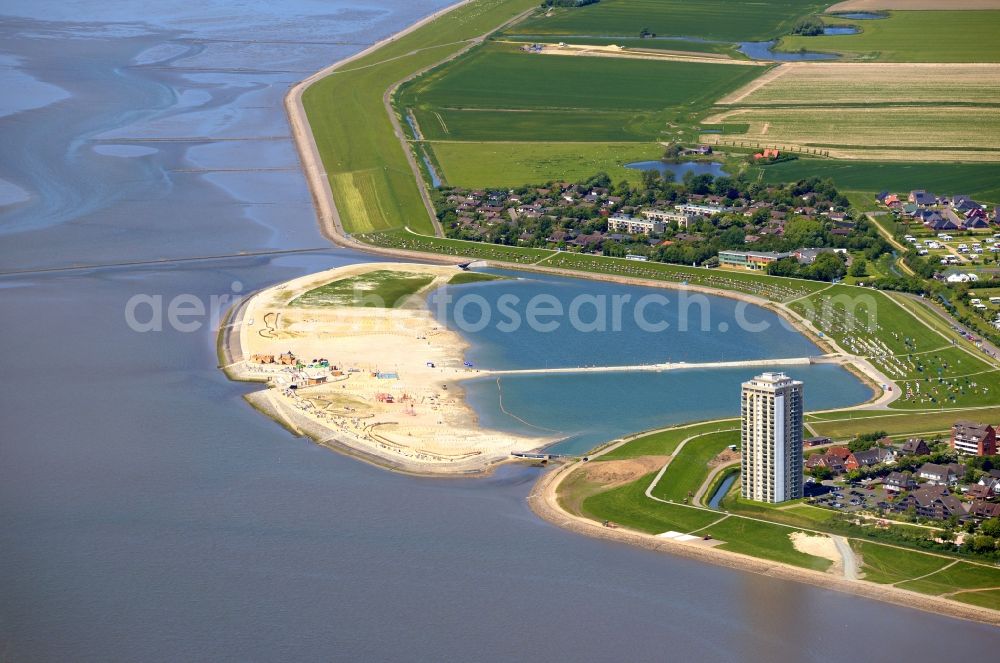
771,437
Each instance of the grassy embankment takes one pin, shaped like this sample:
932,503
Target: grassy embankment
759,530
777,289
371,179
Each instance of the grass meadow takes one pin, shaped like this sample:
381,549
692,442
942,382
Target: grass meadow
368,171
979,180
911,36
708,19
499,164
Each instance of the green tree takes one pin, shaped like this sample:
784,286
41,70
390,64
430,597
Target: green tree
859,268
991,527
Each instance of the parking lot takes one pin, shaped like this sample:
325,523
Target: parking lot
846,498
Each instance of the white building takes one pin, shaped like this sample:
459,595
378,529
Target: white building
634,225
682,219
771,434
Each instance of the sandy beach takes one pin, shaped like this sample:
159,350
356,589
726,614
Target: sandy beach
384,382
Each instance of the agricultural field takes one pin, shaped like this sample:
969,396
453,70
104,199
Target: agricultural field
869,5
880,133
500,76
369,174
980,180
911,36
706,19
502,117
660,43
484,125
479,165
853,83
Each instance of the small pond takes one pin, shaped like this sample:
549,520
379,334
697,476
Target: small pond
762,50
712,168
840,30
861,16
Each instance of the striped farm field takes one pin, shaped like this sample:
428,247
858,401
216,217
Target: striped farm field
885,132
824,83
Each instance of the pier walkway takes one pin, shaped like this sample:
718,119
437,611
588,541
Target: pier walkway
669,366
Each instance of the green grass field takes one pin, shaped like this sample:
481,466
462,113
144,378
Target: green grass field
709,19
473,277
371,179
979,180
471,124
663,443
794,515
503,77
764,540
380,289
985,599
689,469
912,36
627,505
899,424
960,576
478,165
502,117
886,565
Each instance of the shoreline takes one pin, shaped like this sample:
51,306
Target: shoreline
392,392
542,499
543,502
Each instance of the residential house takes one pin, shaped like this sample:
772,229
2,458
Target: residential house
934,502
921,197
898,482
870,458
914,446
939,475
972,438
982,510
831,461
940,224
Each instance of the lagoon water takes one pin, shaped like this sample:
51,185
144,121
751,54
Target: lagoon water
146,513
